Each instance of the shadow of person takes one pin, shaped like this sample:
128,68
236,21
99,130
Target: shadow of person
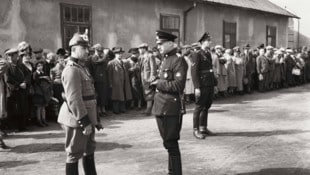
262,133
59,147
12,164
280,171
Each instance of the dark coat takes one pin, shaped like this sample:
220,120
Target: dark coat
119,81
202,69
42,89
100,75
171,83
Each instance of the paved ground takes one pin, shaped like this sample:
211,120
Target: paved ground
258,134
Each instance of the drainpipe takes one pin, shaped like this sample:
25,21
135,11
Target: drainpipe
185,13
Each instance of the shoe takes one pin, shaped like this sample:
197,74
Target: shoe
207,132
45,123
198,135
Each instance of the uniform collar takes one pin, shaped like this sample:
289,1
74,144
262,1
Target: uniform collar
172,52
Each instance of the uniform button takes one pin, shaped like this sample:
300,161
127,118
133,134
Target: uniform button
175,99
164,113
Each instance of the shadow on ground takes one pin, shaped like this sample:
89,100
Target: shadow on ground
262,133
280,171
12,164
58,147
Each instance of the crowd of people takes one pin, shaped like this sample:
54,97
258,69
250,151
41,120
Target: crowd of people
30,78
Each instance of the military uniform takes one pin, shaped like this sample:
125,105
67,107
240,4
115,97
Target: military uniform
77,112
204,79
167,103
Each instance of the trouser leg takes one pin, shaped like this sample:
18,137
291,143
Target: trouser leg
169,128
72,168
115,105
89,165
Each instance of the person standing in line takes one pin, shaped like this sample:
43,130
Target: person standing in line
116,73
100,75
220,70
231,71
204,82
167,101
249,64
78,114
148,73
239,65
262,66
3,101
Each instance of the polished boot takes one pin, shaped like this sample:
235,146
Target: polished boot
72,168
89,165
176,165
169,166
197,134
205,132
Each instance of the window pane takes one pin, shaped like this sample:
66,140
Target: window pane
86,15
74,14
67,14
80,15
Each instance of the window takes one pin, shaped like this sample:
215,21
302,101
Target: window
271,36
171,23
229,34
74,18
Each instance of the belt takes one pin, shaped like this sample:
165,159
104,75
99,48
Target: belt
206,71
88,98
170,93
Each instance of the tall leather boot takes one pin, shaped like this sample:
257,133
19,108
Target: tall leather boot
169,166
89,165
72,168
176,165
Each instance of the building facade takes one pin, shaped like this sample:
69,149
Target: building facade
127,23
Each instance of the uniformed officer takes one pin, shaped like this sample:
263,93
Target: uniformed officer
78,115
204,82
167,102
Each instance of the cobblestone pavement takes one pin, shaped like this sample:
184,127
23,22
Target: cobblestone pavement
257,134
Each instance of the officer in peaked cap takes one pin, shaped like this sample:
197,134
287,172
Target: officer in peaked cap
204,81
167,102
78,114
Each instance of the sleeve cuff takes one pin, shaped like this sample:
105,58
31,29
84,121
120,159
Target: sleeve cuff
83,122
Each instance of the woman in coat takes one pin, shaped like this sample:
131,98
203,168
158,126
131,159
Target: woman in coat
239,65
231,71
220,70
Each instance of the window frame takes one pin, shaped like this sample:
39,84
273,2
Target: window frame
273,41
79,24
231,33
171,30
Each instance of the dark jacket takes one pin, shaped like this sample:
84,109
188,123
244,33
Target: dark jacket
171,83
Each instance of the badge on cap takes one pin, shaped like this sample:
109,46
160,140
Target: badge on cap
165,75
178,74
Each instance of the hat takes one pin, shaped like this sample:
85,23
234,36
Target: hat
22,48
162,36
237,49
61,51
79,39
269,48
143,45
218,47
205,36
37,50
289,50
261,46
98,47
282,49
11,51
247,46
133,50
117,50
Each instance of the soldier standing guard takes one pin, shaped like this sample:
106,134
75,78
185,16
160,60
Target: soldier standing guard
204,81
78,115
167,102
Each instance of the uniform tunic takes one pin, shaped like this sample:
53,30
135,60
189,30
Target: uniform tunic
80,104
